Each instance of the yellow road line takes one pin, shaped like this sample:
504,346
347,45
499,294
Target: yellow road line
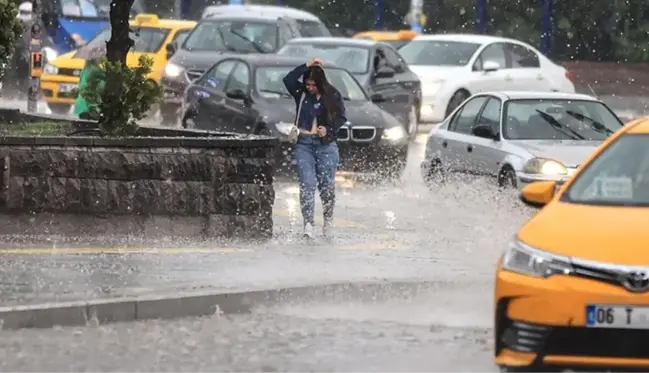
110,250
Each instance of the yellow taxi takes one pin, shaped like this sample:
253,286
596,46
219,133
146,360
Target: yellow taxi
395,38
572,289
151,35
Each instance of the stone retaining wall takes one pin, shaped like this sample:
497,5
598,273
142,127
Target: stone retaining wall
164,186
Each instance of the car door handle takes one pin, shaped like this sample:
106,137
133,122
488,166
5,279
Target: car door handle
508,78
539,77
444,144
469,148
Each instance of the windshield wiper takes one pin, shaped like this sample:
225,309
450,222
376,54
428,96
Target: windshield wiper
596,126
254,44
283,94
225,44
559,127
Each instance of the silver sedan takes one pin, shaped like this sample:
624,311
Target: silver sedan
518,137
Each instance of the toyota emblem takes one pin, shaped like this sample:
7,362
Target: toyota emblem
636,281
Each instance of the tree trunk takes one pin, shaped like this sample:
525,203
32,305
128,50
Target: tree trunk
120,43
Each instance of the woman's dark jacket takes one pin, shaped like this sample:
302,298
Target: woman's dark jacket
296,88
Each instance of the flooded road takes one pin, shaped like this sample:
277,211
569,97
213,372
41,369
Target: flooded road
450,237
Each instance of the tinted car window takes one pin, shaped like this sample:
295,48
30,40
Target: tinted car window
558,120
522,57
217,76
354,59
240,78
491,115
312,29
234,36
147,40
180,36
268,80
438,52
464,120
494,52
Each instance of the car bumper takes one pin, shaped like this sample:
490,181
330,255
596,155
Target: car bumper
543,321
433,109
526,179
51,90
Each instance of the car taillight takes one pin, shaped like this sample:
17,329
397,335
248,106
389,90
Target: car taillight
569,75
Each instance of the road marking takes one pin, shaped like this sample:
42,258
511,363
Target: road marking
338,223
126,250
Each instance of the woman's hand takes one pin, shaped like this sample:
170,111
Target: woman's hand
314,62
322,131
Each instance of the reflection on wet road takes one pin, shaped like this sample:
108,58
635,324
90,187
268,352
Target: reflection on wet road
452,236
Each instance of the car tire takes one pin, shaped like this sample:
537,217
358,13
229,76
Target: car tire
188,122
507,179
434,174
60,109
412,122
458,98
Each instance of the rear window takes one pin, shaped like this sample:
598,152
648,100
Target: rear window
312,28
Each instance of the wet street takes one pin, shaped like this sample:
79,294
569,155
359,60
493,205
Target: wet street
450,238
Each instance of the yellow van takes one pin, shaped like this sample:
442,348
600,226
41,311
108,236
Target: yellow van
395,38
61,76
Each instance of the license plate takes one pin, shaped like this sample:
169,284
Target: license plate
615,316
67,88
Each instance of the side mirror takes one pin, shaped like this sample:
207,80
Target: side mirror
485,131
384,72
377,97
538,194
490,66
237,94
171,50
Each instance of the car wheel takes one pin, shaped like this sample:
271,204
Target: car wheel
60,109
412,122
189,122
458,98
433,174
507,179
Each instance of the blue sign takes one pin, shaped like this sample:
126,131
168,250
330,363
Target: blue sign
416,28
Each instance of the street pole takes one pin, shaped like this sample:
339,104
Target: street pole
481,16
416,9
184,9
378,17
546,26
35,58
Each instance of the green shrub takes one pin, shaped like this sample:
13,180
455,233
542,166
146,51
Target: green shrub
120,96
10,32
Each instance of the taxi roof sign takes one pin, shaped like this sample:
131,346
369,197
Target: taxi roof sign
146,18
406,34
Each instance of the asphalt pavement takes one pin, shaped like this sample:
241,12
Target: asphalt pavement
450,237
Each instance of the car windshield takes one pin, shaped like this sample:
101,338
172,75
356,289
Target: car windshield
312,28
354,59
90,8
268,80
147,40
619,176
539,119
438,52
233,36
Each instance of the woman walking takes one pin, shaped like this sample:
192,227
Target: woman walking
320,112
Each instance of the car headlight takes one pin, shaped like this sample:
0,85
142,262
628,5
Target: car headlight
394,133
51,69
288,129
525,260
547,167
173,70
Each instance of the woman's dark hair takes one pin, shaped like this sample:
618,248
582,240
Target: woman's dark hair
328,92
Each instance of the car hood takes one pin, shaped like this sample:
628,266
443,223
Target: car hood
196,60
569,152
358,113
435,73
615,235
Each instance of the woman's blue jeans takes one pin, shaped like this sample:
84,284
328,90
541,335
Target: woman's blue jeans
316,163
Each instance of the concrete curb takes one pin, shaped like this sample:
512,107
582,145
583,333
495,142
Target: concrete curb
194,303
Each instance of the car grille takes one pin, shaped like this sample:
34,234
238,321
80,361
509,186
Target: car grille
343,134
579,341
525,337
70,72
363,134
194,74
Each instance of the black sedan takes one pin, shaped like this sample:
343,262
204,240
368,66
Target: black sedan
376,65
245,94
